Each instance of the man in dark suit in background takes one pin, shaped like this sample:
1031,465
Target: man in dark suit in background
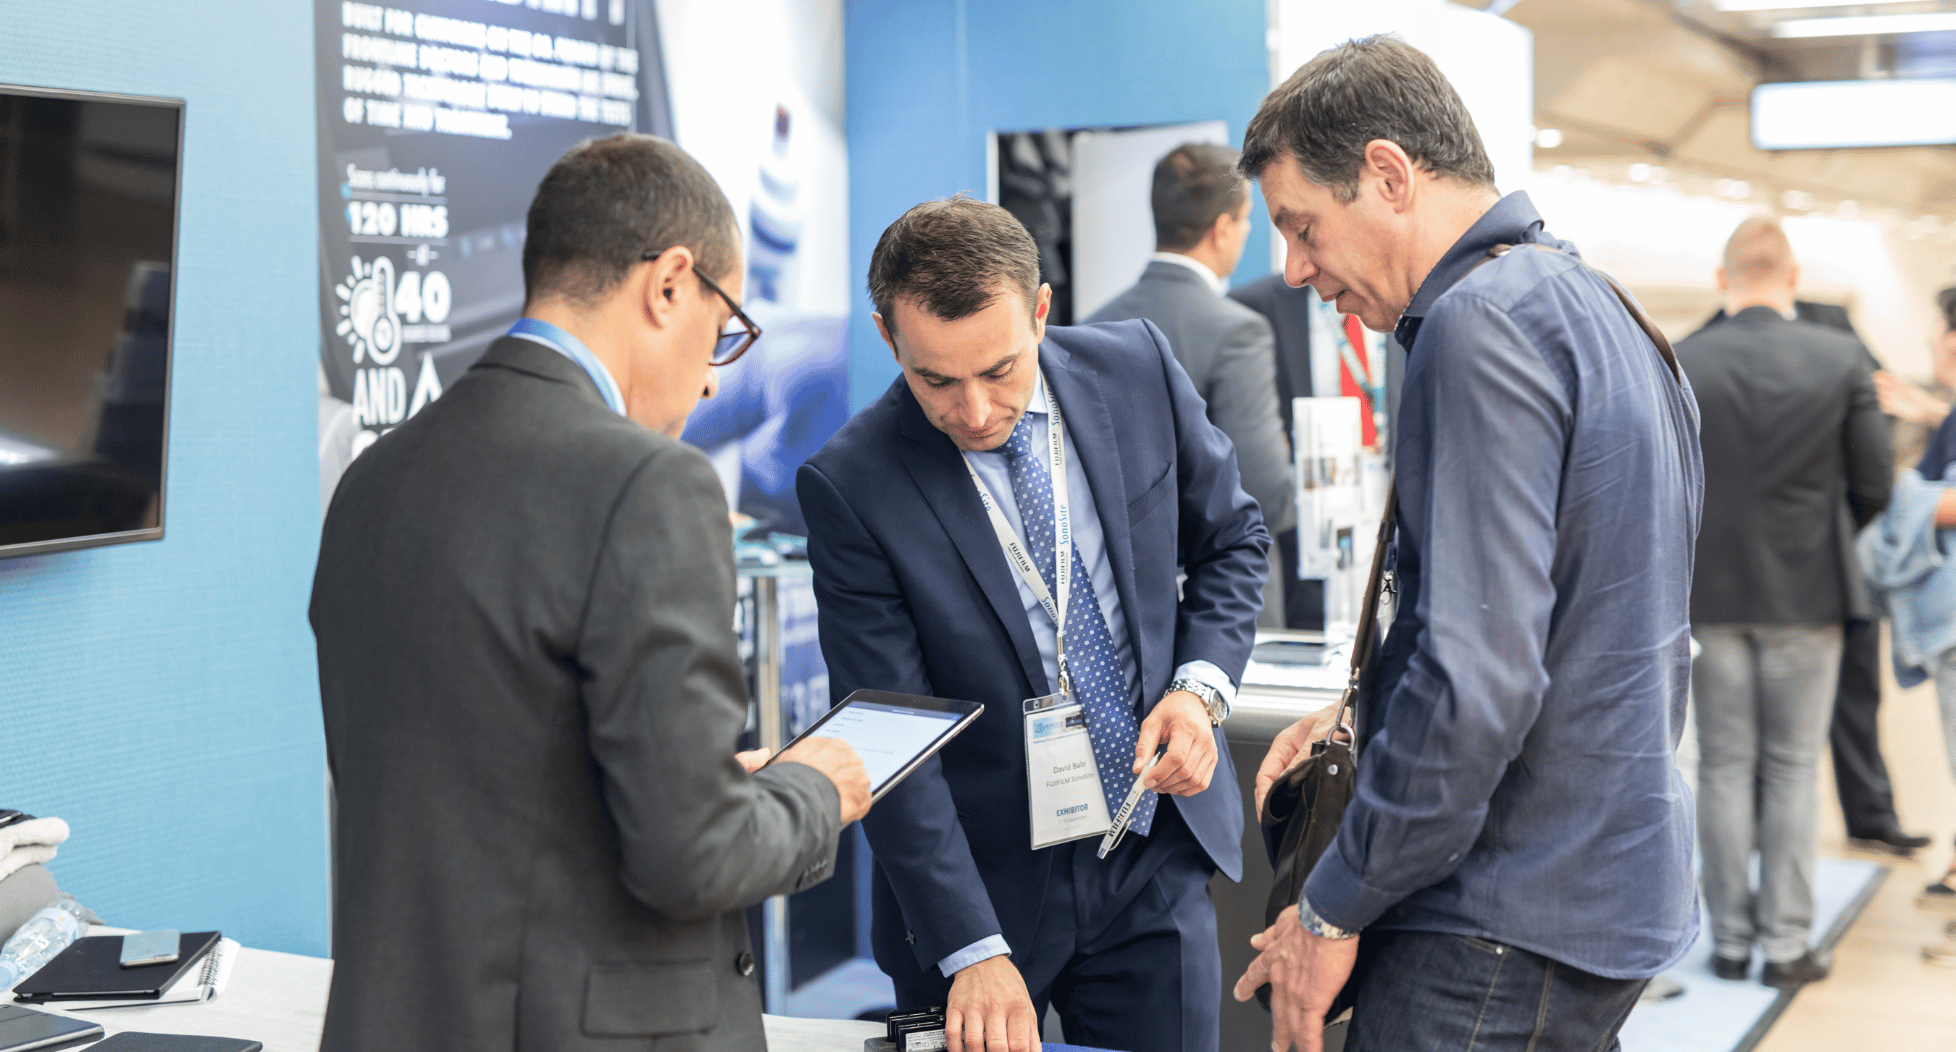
1202,216
524,609
980,904
1796,458
1860,774
1288,311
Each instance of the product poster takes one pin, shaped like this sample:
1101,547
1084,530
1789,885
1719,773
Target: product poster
437,118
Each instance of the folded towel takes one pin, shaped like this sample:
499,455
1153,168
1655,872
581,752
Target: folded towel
34,831
21,857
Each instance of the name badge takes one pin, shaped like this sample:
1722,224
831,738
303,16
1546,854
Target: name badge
1062,780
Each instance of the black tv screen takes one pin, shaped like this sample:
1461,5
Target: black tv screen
89,187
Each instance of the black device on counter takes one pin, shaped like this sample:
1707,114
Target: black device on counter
910,1030
91,969
22,1029
136,1041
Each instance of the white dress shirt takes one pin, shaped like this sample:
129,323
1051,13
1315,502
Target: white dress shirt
1214,280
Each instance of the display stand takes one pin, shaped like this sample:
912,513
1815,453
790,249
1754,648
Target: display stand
1261,711
771,728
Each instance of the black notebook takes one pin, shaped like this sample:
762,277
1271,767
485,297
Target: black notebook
91,970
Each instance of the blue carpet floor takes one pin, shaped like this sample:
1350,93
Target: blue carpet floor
1716,1015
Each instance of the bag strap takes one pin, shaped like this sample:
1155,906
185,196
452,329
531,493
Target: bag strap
1376,586
1629,304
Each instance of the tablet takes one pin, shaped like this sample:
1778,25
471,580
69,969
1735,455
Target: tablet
893,733
24,1028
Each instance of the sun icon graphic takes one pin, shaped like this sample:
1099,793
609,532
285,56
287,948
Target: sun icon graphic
367,317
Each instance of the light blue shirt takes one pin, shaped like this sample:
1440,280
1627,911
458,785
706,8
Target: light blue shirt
542,332
1091,541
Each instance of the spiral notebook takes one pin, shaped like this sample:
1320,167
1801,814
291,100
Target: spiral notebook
201,983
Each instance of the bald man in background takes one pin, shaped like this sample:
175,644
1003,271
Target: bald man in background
1797,458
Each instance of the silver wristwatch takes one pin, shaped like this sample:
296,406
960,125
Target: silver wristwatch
1212,698
1318,926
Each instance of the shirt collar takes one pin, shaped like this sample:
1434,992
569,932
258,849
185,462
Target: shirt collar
1209,277
538,331
1036,407
1511,221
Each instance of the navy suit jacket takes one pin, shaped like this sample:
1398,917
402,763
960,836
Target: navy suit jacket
916,596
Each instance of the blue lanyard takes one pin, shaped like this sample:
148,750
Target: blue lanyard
573,348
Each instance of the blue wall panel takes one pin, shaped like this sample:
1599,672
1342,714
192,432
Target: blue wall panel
162,697
927,79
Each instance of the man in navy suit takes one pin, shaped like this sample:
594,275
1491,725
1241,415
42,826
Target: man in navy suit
911,509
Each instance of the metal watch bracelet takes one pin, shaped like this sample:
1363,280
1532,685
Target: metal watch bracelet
1212,698
1318,926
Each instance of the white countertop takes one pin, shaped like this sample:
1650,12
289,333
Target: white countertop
1260,712
1277,691
279,999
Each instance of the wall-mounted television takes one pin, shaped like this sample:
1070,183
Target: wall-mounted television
89,191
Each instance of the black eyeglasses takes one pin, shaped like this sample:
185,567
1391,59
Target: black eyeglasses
731,344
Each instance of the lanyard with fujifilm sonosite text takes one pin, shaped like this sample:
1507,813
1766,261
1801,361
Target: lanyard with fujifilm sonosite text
1015,549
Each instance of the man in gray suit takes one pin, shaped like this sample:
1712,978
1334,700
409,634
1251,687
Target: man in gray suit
1796,459
1202,216
524,609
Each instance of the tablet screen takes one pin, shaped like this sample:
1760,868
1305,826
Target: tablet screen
886,736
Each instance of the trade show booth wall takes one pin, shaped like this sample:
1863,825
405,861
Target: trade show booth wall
929,80
162,696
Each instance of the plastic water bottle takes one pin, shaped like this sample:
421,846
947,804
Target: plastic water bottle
44,935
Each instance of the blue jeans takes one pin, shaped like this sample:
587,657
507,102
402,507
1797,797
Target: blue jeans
1764,695
1422,991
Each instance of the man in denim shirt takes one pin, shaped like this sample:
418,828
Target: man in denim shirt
1519,849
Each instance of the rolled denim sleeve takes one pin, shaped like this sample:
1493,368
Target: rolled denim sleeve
1481,465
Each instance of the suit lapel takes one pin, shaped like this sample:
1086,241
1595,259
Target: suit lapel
1091,427
938,469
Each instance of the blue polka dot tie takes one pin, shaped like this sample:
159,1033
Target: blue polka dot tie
1098,680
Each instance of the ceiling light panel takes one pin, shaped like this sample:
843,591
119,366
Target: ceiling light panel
1826,115
1796,5
1866,25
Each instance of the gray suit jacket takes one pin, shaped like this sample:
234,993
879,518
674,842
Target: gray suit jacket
1288,311
524,610
1796,459
1229,353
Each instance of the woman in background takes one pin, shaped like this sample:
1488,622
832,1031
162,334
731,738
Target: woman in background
1904,553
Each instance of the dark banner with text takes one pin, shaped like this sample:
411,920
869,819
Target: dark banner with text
437,119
